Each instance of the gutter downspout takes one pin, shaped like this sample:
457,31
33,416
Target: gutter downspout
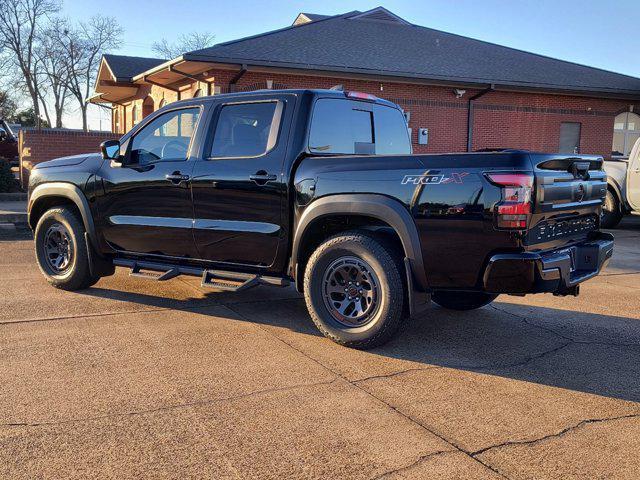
481,93
233,82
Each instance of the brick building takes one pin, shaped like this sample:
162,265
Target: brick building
468,94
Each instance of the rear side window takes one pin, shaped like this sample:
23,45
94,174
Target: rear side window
392,136
349,127
339,126
245,130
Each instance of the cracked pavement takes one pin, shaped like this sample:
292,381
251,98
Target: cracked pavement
166,380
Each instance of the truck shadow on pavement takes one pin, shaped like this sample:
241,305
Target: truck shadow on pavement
585,352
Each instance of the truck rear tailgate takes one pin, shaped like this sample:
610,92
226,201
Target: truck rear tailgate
568,196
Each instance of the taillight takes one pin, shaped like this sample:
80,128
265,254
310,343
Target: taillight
513,210
361,96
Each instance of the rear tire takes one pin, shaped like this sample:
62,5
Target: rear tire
462,300
611,211
61,250
354,290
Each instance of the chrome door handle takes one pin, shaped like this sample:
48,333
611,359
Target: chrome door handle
177,178
262,178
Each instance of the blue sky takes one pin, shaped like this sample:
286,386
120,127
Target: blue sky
598,33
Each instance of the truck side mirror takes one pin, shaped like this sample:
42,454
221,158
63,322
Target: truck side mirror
110,149
3,134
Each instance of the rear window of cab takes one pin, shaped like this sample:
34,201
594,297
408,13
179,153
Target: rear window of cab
350,127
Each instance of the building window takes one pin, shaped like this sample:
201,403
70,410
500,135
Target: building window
148,106
626,131
135,115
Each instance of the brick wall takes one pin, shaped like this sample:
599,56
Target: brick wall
501,119
36,146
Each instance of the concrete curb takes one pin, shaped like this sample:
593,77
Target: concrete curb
13,210
14,231
13,197
13,218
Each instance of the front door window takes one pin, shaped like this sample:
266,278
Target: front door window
166,138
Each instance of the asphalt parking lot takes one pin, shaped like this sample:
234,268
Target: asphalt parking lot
138,379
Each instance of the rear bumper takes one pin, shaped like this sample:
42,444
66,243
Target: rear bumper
559,271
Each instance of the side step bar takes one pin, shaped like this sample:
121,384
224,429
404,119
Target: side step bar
230,281
139,271
218,279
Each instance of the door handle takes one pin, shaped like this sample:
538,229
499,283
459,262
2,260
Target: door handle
177,178
262,177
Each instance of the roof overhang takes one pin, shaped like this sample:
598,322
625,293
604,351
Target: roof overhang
181,71
408,77
174,71
170,75
111,89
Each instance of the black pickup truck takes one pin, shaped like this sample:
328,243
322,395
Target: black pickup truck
8,144
319,188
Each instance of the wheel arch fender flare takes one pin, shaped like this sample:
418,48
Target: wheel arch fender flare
70,192
377,206
612,183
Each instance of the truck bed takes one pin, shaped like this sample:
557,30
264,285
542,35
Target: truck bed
454,204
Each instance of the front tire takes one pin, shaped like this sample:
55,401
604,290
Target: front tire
611,211
462,300
354,290
61,250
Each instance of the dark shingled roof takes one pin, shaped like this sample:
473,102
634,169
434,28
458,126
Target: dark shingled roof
343,44
125,68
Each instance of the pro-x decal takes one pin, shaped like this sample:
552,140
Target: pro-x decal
434,179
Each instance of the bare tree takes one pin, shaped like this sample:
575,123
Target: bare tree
20,24
186,43
54,69
8,106
83,48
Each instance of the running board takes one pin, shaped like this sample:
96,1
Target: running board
140,271
218,279
229,281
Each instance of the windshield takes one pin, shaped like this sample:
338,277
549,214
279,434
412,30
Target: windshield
6,126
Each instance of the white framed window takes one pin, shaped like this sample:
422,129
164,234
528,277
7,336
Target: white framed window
626,130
